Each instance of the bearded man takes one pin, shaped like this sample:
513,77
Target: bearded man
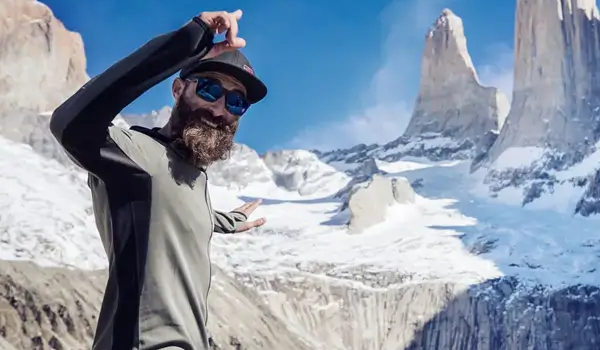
149,186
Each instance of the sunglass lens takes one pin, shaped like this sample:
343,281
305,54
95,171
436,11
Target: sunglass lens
209,90
236,103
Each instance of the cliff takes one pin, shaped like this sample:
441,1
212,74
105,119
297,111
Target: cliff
548,146
55,308
42,62
499,314
556,94
41,65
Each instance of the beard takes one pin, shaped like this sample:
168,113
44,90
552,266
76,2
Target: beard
201,144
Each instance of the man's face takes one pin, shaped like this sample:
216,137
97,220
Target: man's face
203,130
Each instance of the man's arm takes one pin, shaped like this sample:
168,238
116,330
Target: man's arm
237,219
80,124
228,222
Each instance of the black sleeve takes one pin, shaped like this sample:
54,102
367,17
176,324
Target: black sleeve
80,124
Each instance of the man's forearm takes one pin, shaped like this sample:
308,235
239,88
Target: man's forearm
228,222
80,123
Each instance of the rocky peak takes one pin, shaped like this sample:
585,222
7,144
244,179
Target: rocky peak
449,28
451,100
556,94
41,64
36,50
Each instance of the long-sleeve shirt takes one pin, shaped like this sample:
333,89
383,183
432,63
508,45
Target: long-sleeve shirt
152,208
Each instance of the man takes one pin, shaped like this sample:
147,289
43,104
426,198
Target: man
149,186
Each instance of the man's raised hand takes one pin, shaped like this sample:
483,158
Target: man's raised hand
247,209
224,22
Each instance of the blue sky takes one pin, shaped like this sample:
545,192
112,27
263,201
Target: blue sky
338,72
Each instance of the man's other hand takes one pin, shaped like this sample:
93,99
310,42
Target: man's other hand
247,209
224,22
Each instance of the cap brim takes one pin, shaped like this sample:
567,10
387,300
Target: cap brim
256,90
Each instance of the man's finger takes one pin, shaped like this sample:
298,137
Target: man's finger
220,22
257,223
253,205
251,224
245,206
223,46
232,32
250,206
237,14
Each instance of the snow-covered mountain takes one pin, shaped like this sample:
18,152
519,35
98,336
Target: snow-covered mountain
545,154
443,250
150,120
395,246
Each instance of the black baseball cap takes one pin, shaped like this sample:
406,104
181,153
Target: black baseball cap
232,63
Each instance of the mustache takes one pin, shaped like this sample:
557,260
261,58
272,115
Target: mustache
201,114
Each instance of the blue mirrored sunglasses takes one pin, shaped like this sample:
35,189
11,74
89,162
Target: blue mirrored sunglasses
211,90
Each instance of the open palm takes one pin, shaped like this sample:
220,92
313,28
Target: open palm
247,209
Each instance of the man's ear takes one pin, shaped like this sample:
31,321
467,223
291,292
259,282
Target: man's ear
177,88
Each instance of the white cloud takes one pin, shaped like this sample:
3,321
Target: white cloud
380,122
394,84
498,72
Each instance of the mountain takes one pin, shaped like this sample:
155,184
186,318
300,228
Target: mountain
451,100
36,50
394,246
540,157
556,93
549,143
454,117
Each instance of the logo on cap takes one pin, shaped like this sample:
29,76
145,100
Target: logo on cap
247,68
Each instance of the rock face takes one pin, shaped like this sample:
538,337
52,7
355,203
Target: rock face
48,308
498,314
52,308
590,201
41,62
556,94
451,101
368,203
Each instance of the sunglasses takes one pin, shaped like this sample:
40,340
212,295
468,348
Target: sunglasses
211,90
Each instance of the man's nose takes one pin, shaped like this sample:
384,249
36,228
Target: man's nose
218,110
